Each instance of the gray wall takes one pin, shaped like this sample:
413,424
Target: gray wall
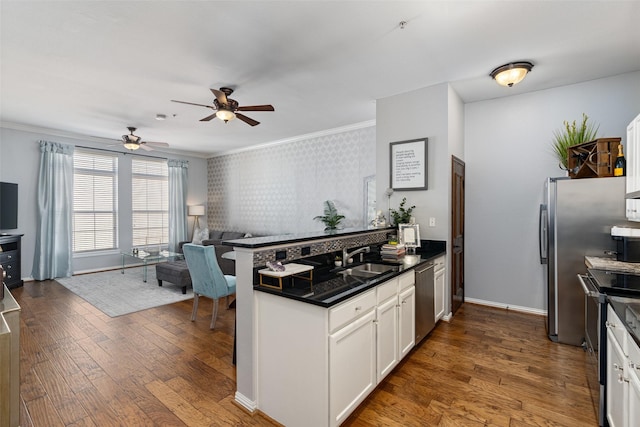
508,156
19,163
280,188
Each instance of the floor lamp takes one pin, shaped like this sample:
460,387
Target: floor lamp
197,211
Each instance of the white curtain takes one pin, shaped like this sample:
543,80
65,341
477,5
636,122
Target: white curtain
53,252
177,202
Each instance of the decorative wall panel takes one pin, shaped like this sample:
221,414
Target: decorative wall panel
280,189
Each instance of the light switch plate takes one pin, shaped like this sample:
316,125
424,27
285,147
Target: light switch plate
432,222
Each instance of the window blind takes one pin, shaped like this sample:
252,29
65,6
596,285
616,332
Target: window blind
95,201
150,202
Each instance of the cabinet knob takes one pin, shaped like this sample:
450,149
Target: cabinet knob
610,325
358,308
9,257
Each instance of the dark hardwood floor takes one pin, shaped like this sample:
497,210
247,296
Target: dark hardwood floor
80,367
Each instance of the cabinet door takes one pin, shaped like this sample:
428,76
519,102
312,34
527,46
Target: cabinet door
438,293
387,335
634,397
616,382
407,315
352,366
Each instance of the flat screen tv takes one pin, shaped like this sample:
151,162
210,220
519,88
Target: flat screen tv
8,206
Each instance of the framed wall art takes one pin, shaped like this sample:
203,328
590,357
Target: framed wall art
408,165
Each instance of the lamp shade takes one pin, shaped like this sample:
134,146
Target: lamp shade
225,115
196,210
512,73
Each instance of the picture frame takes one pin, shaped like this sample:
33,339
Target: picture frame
408,164
409,235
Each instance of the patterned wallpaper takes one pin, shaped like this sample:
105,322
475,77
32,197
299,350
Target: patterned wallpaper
280,188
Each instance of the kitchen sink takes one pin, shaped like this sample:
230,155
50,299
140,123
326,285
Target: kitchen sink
367,270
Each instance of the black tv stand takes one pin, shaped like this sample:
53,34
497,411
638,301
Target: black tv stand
10,258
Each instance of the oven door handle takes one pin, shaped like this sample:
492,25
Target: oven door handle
588,292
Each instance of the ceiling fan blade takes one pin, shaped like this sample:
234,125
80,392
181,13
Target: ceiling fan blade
157,144
220,96
256,108
206,119
247,120
145,147
193,103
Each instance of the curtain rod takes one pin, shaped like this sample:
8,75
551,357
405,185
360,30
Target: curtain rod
122,152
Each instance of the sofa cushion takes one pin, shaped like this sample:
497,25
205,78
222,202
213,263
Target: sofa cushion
199,235
215,234
231,235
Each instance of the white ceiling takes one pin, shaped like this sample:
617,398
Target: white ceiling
95,67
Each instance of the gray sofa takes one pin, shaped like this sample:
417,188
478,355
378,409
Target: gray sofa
177,272
216,237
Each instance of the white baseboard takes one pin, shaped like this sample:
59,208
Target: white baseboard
507,306
248,404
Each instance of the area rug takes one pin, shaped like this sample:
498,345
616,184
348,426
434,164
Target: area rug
116,294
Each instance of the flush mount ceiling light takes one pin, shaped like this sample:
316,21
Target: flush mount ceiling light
225,115
512,73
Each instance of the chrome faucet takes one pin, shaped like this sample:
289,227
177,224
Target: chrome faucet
346,255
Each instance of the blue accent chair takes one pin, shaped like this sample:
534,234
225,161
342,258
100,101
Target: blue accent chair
206,277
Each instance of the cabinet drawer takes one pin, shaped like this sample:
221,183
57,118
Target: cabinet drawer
387,290
438,264
617,328
351,310
8,256
11,270
406,280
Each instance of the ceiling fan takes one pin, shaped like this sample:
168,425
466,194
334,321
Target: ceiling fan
227,109
133,142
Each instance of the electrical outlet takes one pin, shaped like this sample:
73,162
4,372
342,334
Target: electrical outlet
432,222
281,254
305,250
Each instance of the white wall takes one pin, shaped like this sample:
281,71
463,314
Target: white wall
417,114
508,156
20,162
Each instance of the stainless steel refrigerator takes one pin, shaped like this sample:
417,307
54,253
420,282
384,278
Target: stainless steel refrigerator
575,221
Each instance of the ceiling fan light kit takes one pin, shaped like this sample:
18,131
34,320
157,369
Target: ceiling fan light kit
132,142
228,109
511,73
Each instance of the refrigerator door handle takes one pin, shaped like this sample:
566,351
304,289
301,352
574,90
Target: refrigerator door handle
543,243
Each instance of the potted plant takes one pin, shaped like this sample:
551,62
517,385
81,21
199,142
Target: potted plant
331,217
571,135
402,215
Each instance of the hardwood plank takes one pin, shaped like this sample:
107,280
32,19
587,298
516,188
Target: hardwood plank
80,367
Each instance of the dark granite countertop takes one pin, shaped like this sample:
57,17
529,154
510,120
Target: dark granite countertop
283,239
330,287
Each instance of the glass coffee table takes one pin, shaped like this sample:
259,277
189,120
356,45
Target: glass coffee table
149,258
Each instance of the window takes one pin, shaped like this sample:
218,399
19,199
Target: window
150,202
95,201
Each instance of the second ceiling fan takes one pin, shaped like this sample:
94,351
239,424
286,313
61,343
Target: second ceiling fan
227,109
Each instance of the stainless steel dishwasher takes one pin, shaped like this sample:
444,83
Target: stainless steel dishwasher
425,311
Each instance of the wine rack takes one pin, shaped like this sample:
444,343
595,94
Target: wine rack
593,159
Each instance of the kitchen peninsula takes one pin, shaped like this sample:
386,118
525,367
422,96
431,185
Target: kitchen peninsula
284,338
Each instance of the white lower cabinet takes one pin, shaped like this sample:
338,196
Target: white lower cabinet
616,382
407,324
387,336
623,374
316,365
352,366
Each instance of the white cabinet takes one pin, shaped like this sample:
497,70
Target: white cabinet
623,374
439,288
387,334
632,156
407,324
395,322
616,382
352,366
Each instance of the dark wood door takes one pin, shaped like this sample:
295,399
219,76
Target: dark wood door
457,233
